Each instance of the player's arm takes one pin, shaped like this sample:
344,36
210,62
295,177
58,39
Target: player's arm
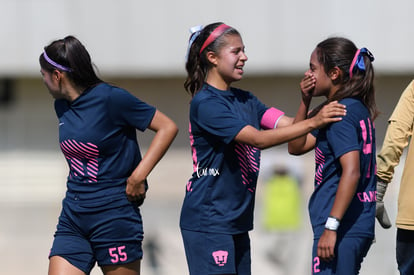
165,131
347,187
285,121
263,139
304,143
329,113
307,142
347,184
398,134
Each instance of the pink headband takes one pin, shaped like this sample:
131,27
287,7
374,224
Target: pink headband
214,35
351,68
53,63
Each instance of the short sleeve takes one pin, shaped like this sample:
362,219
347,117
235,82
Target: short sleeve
127,110
217,119
343,135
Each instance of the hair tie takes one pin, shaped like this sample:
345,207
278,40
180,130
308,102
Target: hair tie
214,35
195,32
358,61
53,63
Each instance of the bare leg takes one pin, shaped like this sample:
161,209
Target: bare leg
126,269
60,266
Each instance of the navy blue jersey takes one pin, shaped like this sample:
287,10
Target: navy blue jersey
355,132
220,194
97,135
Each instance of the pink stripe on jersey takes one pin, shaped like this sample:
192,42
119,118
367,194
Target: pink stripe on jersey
194,155
320,162
248,164
270,118
193,150
83,158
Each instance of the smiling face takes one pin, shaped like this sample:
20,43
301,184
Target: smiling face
228,63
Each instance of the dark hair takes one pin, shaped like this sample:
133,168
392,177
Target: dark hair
70,53
339,52
197,64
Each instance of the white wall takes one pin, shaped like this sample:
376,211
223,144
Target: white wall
141,38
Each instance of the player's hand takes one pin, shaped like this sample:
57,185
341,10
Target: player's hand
136,191
326,245
307,85
331,112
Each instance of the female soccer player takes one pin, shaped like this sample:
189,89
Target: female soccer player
226,138
342,206
100,219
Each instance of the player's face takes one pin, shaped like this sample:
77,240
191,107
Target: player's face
51,83
231,59
323,82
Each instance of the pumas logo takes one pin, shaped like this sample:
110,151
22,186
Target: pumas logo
220,257
61,123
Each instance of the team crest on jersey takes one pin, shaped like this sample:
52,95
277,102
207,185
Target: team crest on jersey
220,257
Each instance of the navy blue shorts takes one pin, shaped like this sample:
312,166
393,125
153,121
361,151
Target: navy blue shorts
213,253
349,254
108,231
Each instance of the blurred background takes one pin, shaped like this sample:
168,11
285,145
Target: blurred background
141,46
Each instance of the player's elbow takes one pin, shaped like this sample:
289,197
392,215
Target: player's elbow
253,137
259,143
293,150
353,175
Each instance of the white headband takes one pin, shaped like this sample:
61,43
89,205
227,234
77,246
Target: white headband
195,32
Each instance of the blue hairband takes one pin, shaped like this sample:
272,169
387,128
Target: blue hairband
358,61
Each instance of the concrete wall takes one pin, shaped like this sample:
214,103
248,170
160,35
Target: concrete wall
147,38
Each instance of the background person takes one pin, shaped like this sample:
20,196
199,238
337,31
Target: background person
398,137
282,218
